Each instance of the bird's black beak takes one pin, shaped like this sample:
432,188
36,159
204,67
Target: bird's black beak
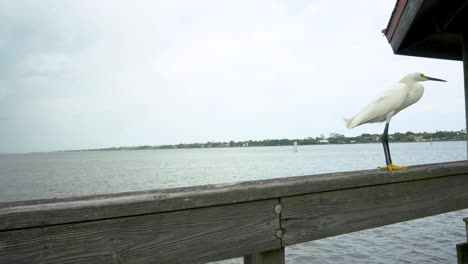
434,79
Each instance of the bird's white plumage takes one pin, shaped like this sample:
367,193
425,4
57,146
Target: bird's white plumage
391,101
382,108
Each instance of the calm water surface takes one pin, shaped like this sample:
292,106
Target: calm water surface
427,240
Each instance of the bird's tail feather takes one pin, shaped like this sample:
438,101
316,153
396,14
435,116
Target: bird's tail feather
348,122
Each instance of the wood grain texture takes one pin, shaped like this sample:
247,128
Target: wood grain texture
406,20
320,215
209,223
187,236
26,214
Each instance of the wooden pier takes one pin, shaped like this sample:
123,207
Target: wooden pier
255,219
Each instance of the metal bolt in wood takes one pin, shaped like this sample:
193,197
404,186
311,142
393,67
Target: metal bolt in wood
279,233
278,208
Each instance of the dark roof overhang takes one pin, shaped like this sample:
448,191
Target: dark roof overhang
428,28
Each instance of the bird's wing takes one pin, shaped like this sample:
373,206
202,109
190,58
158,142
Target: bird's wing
383,107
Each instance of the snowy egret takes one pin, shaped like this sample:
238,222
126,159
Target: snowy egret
401,95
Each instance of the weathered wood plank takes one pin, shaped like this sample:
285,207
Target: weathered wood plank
320,215
406,20
462,249
15,215
210,223
187,236
466,225
462,253
464,37
268,257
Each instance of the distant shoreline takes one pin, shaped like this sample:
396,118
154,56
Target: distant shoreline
333,139
214,147
324,144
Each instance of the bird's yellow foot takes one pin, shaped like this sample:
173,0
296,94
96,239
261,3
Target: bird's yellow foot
392,167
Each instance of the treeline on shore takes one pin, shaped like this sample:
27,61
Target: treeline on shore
331,139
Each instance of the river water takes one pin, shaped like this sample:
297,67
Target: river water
426,240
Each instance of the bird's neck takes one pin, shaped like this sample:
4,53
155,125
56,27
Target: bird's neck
413,85
408,81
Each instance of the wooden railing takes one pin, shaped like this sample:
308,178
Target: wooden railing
255,219
462,249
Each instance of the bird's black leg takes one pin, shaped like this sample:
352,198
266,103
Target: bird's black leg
388,158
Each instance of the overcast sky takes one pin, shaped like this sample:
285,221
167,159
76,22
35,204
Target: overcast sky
90,74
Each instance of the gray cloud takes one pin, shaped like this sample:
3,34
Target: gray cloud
86,74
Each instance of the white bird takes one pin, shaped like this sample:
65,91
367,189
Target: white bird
398,97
